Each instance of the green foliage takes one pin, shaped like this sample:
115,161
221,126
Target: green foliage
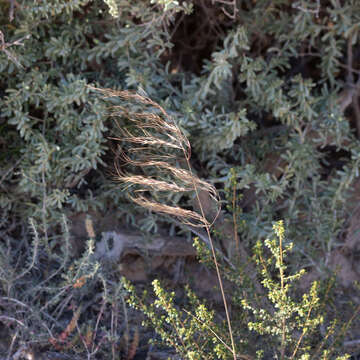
61,129
265,91
287,327
181,329
286,315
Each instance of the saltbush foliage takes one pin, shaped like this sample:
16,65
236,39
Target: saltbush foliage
265,91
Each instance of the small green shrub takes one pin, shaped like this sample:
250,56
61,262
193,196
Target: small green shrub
286,327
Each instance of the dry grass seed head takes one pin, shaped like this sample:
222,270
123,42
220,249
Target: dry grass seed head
184,215
154,184
182,175
156,131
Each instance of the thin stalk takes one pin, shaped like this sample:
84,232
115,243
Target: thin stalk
236,237
283,321
207,227
302,335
